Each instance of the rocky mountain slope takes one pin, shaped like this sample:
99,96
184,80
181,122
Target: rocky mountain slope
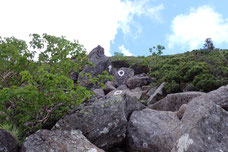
130,115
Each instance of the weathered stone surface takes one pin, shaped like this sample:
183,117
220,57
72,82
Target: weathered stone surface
98,92
7,142
157,95
104,121
151,91
122,87
100,64
172,102
200,125
134,94
204,125
151,131
58,141
122,75
138,81
109,86
181,111
219,96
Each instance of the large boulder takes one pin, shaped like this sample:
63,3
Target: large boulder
133,93
100,63
58,140
122,75
151,131
157,95
204,124
219,97
138,81
199,125
172,102
104,121
7,142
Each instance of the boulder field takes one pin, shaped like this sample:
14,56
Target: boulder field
130,116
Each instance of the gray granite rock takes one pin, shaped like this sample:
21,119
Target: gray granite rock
58,141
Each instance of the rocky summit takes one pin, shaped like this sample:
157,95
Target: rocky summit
130,115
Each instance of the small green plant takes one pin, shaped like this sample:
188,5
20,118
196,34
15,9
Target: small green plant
12,129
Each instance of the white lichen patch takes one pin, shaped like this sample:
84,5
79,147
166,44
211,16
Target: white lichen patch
92,150
184,142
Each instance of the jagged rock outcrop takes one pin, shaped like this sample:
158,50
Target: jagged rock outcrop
103,122
138,81
7,142
100,63
58,141
172,102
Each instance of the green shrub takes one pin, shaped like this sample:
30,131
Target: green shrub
38,94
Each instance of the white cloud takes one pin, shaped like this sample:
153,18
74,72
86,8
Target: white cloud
89,21
190,30
137,8
125,51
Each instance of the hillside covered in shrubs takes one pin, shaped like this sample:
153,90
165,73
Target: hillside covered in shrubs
198,70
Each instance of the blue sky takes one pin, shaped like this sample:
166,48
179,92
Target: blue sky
127,26
154,32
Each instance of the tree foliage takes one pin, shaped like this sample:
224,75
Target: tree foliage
209,44
34,95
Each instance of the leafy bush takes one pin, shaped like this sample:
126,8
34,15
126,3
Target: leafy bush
36,94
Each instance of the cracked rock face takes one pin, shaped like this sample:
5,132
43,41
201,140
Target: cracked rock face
103,122
58,140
